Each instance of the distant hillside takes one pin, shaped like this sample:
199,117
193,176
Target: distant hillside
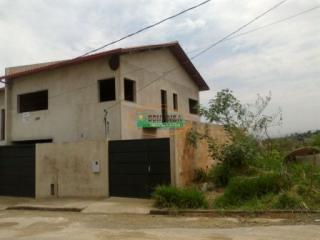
297,140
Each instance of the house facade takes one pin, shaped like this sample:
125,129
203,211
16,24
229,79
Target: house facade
71,128
99,96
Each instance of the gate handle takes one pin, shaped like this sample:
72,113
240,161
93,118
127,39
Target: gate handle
149,168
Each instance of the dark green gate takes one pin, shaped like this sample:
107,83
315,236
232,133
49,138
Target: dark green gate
17,170
137,166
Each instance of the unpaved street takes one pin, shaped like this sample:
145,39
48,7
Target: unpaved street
60,225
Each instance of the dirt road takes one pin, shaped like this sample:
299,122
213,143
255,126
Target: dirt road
60,225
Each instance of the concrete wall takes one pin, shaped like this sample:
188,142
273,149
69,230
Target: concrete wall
69,167
75,113
150,69
189,157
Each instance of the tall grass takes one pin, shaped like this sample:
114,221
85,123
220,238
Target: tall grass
173,197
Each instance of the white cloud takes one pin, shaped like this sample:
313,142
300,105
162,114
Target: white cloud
284,58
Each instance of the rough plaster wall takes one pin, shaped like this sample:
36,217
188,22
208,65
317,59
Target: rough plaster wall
69,167
74,111
149,69
189,157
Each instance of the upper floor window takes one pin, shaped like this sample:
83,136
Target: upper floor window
175,102
193,106
107,90
35,101
129,90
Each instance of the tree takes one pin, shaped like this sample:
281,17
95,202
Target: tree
227,110
246,124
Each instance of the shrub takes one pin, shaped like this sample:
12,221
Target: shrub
305,174
173,197
219,175
242,189
200,175
288,201
269,160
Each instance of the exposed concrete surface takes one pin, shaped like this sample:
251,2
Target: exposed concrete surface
120,205
6,202
68,166
112,205
29,225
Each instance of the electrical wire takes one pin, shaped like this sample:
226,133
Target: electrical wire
269,25
145,28
238,30
210,47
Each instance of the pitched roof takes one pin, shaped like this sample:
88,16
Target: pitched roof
174,47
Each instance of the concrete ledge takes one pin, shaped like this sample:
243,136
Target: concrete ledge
45,208
239,213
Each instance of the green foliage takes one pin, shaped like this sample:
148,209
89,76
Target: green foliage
238,153
200,175
193,137
242,189
288,201
219,175
304,174
268,160
262,203
315,140
227,110
172,197
224,109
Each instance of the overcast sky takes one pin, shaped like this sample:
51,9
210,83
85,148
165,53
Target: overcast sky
283,58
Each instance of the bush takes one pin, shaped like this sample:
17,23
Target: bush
242,189
241,151
200,175
304,174
288,201
219,175
173,197
272,161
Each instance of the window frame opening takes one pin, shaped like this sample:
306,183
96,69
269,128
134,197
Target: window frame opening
164,106
107,92
30,102
132,96
193,106
175,101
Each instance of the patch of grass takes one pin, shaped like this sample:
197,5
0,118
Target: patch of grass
258,204
288,200
243,189
173,197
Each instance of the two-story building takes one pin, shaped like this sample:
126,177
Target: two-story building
98,96
83,116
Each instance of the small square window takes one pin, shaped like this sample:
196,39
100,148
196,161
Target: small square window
107,90
175,102
129,90
193,106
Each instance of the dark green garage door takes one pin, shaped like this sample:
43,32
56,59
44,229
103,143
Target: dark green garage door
137,166
17,170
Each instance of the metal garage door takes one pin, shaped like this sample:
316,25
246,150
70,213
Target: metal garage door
137,166
17,170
